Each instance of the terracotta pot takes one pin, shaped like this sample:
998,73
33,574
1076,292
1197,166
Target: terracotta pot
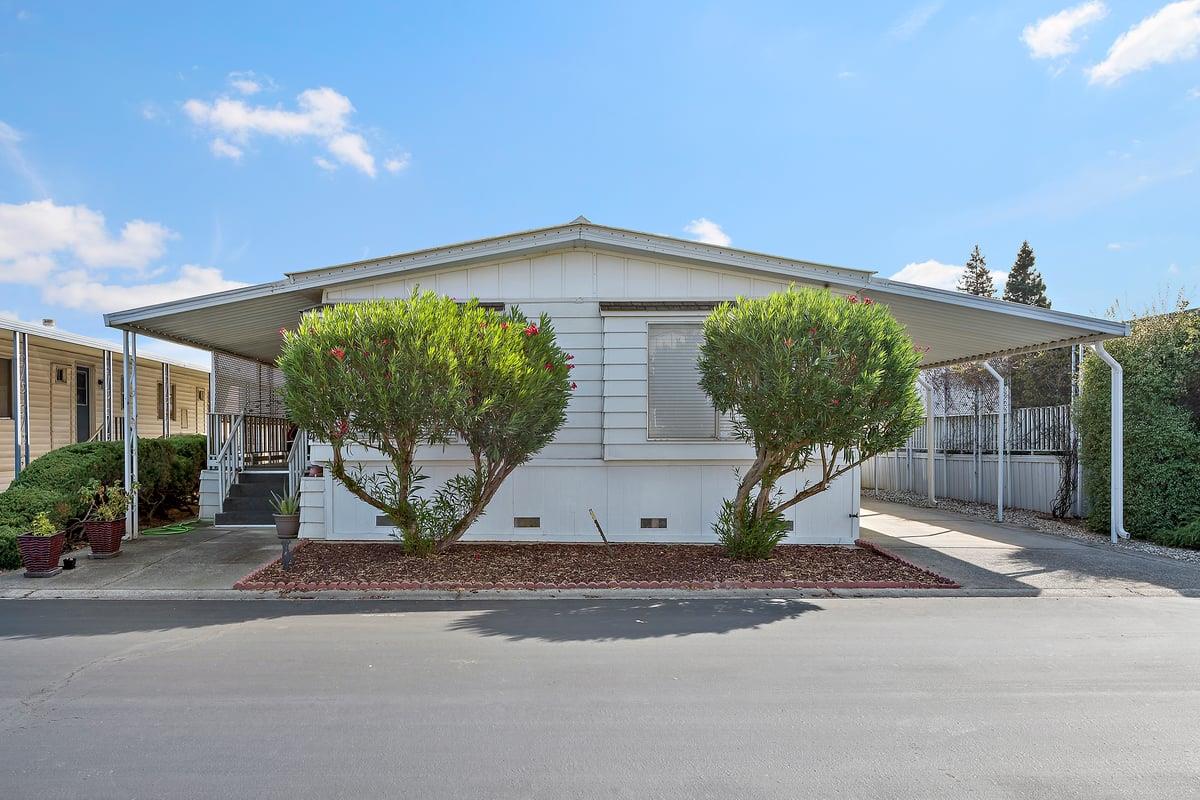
40,554
105,537
287,526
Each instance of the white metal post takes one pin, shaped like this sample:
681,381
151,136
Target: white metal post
126,439
999,443
131,404
17,404
25,398
929,439
1117,459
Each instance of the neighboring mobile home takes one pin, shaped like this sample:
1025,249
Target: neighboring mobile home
58,388
642,445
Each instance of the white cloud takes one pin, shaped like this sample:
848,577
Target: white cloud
1115,246
325,163
911,23
78,289
397,163
707,231
247,83
1170,34
941,276
1054,36
845,75
322,115
1194,93
223,149
35,235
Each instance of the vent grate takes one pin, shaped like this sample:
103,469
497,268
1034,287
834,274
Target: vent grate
527,522
654,522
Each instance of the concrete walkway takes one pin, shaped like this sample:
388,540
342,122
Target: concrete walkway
204,559
987,558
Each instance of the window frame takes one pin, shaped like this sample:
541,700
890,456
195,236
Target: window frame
10,396
716,437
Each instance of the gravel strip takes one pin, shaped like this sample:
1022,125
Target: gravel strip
550,565
1042,523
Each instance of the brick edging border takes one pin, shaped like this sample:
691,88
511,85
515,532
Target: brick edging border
251,582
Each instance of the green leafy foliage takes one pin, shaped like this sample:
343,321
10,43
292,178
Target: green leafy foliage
1161,361
42,525
811,378
106,501
10,553
745,536
285,505
397,374
169,476
1187,536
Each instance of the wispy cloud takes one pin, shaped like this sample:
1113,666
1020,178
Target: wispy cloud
915,20
1170,34
706,231
247,82
223,149
1054,36
10,147
397,163
321,115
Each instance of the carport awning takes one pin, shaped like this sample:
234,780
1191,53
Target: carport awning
951,327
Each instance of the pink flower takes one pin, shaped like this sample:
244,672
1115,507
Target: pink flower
337,352
868,301
549,365
503,326
837,402
282,331
570,356
570,366
343,428
573,386
812,331
853,298
531,329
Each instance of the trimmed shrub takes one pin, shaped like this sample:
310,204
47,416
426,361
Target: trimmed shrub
1161,360
1187,536
20,504
10,555
64,470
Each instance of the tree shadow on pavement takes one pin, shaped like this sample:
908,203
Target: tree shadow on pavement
611,620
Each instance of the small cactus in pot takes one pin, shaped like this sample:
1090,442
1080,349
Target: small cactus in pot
287,515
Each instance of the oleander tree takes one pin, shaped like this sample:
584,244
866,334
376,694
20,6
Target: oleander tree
811,379
396,375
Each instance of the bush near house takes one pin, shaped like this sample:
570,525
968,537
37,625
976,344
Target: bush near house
396,374
169,477
10,555
811,378
1161,361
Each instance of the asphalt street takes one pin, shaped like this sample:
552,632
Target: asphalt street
858,698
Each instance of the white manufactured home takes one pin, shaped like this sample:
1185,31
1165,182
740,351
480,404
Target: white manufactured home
59,388
642,445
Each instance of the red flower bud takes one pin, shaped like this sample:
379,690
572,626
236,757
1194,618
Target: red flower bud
853,298
282,331
570,356
549,365
337,352
570,366
531,329
868,301
503,326
573,387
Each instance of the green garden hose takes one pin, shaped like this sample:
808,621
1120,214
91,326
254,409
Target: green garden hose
172,529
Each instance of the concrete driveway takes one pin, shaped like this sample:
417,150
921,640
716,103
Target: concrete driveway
987,558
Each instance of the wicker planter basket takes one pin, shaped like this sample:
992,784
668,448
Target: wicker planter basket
40,554
105,537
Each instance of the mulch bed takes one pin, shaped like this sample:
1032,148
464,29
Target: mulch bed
523,566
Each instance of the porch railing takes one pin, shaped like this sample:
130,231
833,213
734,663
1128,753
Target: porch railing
297,461
264,439
231,458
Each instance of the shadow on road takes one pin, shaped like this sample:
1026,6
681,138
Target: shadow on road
547,620
609,620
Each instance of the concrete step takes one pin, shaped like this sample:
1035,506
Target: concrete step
244,518
247,504
258,489
249,476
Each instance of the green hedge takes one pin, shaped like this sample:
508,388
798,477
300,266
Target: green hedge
10,556
1161,360
168,476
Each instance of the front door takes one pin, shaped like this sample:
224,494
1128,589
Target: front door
83,404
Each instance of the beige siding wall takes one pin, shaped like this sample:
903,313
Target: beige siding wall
52,404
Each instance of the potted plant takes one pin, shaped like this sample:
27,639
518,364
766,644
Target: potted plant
41,547
287,515
104,522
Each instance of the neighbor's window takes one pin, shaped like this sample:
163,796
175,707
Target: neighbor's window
677,407
174,413
158,395
6,388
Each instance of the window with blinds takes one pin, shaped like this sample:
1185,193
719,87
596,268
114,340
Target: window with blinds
677,408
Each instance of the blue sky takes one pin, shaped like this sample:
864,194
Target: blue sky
158,150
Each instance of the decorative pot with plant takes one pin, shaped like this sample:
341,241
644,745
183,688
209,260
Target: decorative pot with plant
104,522
287,515
41,547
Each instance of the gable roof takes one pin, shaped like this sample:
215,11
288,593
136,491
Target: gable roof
955,326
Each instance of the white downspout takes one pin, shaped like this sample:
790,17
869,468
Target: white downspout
1117,459
929,437
999,443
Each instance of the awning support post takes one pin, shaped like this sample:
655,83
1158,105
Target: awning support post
929,439
130,442
18,409
999,443
1116,515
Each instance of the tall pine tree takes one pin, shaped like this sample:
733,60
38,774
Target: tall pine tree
975,278
1025,284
